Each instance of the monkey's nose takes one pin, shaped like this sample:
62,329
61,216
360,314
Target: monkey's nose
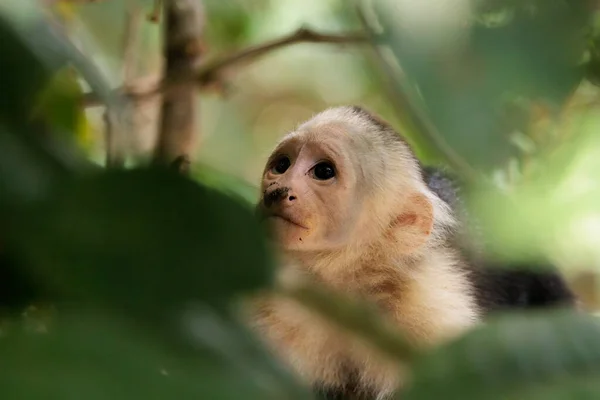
279,195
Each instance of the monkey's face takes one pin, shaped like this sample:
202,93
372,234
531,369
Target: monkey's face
344,180
309,191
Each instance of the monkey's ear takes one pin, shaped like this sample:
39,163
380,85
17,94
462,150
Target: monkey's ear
412,227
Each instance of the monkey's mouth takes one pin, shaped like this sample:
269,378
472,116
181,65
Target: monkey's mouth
286,219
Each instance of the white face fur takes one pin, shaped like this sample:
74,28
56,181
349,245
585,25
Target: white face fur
344,179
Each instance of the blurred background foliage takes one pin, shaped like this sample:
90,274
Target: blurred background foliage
507,87
504,93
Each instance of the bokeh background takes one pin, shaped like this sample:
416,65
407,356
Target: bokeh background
122,282
509,87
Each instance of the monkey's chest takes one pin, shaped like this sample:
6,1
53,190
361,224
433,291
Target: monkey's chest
323,354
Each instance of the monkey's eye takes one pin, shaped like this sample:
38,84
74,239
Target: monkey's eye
280,165
324,171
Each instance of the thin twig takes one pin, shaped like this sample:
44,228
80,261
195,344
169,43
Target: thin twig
155,14
114,155
182,164
115,132
207,72
414,116
302,35
130,43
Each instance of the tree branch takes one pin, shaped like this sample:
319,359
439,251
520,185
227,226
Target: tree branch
184,23
207,72
154,16
302,35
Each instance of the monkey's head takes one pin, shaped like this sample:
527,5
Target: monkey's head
344,178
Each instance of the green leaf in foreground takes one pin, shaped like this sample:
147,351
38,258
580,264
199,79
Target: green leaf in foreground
226,183
93,357
59,103
40,99
545,356
143,240
28,73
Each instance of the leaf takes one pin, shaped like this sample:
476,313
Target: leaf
533,356
35,50
16,287
67,10
232,21
227,183
59,102
92,356
32,160
466,71
27,72
143,240
154,248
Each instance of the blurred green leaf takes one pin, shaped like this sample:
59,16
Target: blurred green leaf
143,240
533,356
225,182
92,356
17,289
231,21
466,72
28,74
27,170
32,158
553,212
36,49
153,247
59,102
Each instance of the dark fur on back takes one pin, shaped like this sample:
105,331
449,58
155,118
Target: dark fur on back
498,286
510,287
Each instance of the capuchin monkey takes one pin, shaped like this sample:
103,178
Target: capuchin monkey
350,207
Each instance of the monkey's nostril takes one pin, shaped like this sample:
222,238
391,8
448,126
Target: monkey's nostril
292,198
277,195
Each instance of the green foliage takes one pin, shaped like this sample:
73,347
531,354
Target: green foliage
98,357
18,92
545,356
467,74
145,266
97,235
29,165
226,183
508,88
230,23
59,103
